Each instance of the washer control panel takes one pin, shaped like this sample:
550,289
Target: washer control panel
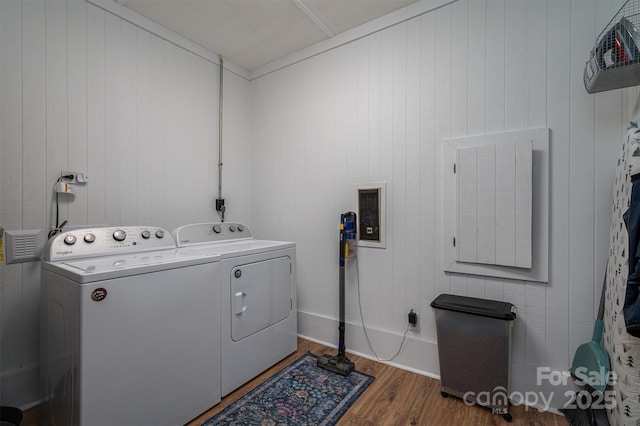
201,233
90,242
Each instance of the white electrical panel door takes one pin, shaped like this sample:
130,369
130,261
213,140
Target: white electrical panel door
493,196
495,205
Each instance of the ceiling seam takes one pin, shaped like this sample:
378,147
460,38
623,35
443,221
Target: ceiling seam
253,75
305,9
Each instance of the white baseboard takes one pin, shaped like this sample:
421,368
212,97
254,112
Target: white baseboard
20,388
418,356
538,389
545,389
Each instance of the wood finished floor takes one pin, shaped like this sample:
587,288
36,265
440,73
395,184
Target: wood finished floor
396,397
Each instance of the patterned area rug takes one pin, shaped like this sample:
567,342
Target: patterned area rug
300,394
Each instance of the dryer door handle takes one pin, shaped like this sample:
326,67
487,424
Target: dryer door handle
238,305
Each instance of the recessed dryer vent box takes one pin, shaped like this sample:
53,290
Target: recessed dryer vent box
372,215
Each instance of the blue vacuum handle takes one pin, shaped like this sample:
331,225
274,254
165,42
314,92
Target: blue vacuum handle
348,231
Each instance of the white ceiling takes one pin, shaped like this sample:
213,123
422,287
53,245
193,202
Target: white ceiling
252,33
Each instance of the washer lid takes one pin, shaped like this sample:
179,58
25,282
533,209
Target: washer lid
108,267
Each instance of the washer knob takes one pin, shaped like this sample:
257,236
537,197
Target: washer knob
217,229
119,235
240,228
145,234
232,228
160,233
89,238
70,240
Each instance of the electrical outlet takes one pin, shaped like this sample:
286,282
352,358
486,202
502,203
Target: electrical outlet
414,322
78,177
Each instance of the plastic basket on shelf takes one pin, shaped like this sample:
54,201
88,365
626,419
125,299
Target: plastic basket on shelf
615,59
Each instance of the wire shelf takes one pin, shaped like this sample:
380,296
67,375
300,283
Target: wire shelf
614,62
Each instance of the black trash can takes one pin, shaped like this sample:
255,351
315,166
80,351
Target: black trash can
474,345
10,416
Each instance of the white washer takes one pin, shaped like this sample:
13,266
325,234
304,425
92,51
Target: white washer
129,328
258,297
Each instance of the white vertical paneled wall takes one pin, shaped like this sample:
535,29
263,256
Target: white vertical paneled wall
83,89
377,109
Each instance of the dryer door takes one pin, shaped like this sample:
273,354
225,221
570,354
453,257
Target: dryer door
260,296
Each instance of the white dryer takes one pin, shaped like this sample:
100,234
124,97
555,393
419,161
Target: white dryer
258,297
129,329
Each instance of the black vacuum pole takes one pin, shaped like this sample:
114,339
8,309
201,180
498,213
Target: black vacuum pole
340,363
341,348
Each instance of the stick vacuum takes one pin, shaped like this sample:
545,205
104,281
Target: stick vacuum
348,230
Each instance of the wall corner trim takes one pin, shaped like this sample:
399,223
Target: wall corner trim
401,15
140,21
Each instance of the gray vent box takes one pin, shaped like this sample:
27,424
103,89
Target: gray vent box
24,246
